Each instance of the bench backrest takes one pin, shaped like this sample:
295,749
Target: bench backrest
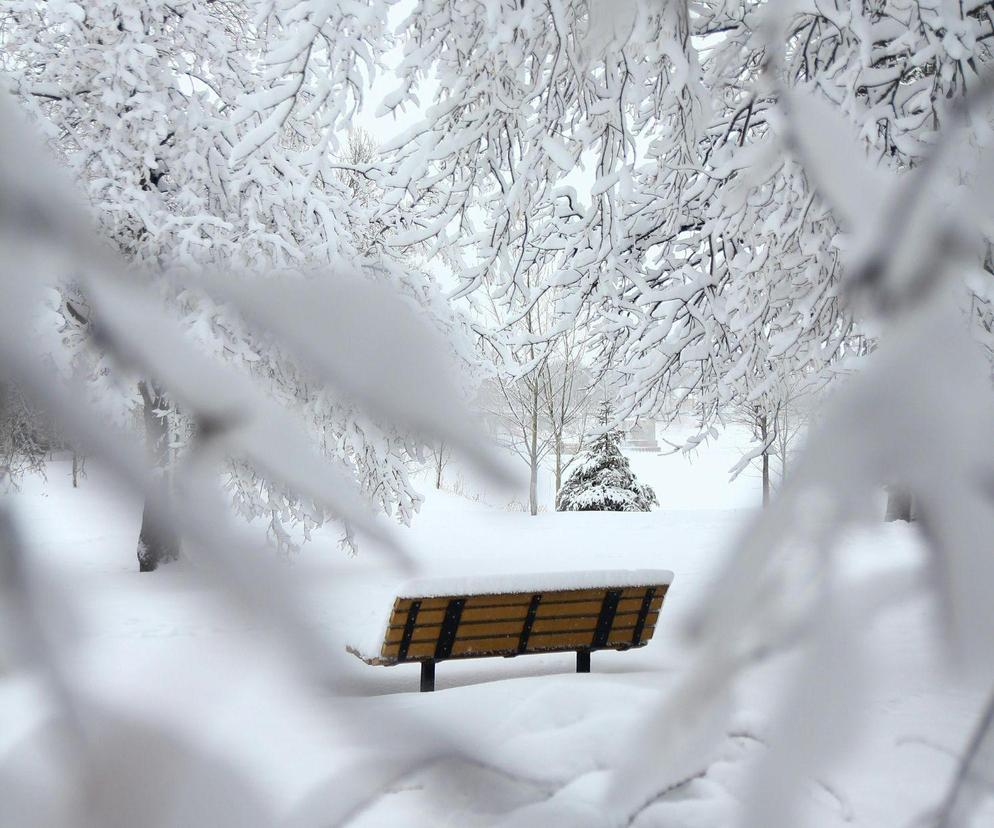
507,624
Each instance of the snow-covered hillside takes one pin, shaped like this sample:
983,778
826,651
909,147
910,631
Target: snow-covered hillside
159,644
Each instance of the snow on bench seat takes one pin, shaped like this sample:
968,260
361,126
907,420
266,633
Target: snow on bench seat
532,582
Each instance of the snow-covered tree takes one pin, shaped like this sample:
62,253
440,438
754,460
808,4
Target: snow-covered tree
639,171
440,456
151,105
513,402
567,396
357,340
603,480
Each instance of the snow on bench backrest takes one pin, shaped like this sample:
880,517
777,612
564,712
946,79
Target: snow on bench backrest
511,615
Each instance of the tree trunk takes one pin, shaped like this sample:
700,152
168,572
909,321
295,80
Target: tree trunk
533,488
559,464
75,470
533,458
764,436
157,542
440,459
899,504
782,440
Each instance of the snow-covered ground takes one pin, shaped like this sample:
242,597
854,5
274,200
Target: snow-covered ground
161,645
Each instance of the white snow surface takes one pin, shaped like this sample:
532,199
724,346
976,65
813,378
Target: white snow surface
159,646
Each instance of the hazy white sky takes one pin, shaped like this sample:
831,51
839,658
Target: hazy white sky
387,127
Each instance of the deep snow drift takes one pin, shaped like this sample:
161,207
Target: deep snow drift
158,643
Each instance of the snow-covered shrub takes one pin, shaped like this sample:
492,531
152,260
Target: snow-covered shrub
24,439
604,482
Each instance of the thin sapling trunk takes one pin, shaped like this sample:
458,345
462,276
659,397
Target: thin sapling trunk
157,542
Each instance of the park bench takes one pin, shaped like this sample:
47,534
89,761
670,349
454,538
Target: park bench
443,620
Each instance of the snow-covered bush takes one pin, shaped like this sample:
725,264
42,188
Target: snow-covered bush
23,437
604,482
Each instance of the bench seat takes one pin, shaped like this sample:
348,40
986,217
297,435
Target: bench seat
480,622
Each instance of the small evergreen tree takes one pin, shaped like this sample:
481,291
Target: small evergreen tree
604,482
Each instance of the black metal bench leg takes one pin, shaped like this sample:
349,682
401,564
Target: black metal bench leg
427,676
583,661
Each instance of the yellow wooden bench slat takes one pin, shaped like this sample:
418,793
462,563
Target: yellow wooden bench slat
430,632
